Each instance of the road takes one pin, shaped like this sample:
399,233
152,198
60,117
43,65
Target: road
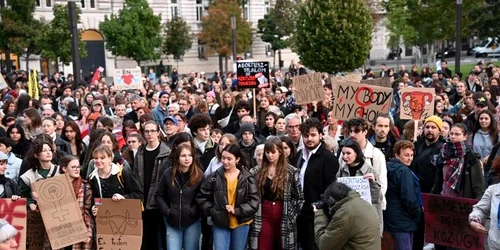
407,62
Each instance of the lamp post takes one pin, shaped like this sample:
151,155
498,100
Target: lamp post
459,36
75,41
233,28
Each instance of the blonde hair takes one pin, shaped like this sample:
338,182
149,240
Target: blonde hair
102,149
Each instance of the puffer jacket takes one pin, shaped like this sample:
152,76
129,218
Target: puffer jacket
177,203
212,198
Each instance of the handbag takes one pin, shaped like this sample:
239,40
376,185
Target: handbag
225,121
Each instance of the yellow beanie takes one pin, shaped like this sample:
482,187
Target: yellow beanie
436,120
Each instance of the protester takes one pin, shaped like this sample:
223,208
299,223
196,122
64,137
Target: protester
8,236
344,221
230,197
8,187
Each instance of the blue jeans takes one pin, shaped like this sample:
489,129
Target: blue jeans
184,238
403,240
230,239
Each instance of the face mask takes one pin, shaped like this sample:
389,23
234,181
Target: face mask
128,110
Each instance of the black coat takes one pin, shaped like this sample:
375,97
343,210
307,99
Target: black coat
403,199
212,198
320,173
63,145
421,165
11,188
132,115
177,203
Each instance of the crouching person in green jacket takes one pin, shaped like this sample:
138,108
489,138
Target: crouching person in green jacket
345,221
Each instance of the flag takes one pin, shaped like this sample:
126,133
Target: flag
33,88
96,75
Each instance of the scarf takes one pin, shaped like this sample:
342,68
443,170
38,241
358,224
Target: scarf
452,155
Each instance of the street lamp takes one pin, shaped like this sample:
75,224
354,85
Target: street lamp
459,36
233,28
75,41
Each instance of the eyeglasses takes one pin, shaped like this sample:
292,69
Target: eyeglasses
293,126
75,167
150,131
356,130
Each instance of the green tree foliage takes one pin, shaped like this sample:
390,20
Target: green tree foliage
333,35
56,37
216,28
19,30
278,24
178,37
485,18
398,23
134,33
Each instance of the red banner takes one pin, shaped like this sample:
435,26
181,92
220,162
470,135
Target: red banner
446,222
14,212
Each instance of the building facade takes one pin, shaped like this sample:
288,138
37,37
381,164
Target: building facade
195,59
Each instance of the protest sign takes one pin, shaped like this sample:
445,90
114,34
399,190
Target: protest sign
119,225
364,101
360,184
252,74
382,82
60,211
128,79
14,212
446,222
3,83
416,103
347,78
308,88
35,231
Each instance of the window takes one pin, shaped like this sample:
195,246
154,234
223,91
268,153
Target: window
174,11
48,3
201,53
245,12
92,4
269,51
199,10
173,1
38,3
83,4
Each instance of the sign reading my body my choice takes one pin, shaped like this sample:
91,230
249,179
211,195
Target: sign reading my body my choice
252,74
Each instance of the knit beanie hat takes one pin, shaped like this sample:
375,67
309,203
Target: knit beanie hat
7,231
436,120
247,127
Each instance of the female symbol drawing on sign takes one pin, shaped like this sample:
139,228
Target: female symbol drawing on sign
53,192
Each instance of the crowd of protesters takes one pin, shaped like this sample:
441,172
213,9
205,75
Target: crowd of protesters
237,169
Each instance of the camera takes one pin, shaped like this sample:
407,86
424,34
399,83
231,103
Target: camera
319,204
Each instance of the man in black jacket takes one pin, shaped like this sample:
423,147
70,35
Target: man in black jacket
318,168
425,148
135,101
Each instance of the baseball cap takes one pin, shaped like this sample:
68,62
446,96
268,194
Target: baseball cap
481,101
171,118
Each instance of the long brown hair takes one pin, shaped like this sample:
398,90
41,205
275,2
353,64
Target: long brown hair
279,181
195,173
64,163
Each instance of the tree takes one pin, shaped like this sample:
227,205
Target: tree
19,30
398,24
56,37
333,35
216,29
276,27
485,18
134,33
178,38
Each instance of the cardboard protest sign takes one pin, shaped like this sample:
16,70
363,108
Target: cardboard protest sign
364,101
309,88
36,231
3,83
119,225
416,103
60,211
14,212
252,74
447,224
347,78
128,79
360,184
382,82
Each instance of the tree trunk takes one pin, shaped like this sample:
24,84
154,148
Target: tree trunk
220,66
27,62
227,70
138,63
177,64
274,59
